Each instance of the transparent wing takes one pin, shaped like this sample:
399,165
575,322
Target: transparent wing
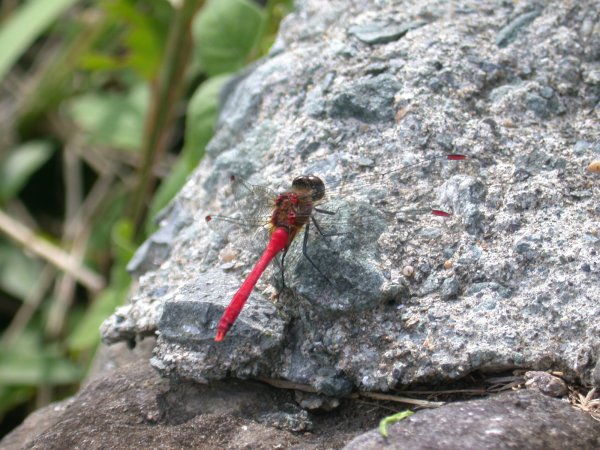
254,202
401,190
345,227
246,206
361,214
243,223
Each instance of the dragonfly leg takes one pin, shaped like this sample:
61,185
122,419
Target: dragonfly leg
324,211
282,266
305,252
320,230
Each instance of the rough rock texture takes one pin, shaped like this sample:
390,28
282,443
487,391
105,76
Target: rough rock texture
546,383
132,407
515,420
356,88
107,359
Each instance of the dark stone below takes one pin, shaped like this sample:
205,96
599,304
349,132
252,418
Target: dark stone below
523,420
132,407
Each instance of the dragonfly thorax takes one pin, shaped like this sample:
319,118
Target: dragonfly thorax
294,208
292,211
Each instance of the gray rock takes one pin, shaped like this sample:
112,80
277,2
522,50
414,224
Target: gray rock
132,407
545,383
188,323
155,250
450,288
523,237
295,419
380,33
523,420
544,104
596,374
509,32
368,99
316,402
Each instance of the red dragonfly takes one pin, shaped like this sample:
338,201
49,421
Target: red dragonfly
291,211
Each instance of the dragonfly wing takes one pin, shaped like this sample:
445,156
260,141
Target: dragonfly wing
252,200
397,190
245,222
346,247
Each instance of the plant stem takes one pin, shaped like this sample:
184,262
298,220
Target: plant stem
51,253
166,93
29,307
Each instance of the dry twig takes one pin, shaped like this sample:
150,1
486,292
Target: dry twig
283,384
51,253
589,403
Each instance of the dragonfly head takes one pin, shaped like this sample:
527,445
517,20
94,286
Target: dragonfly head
310,184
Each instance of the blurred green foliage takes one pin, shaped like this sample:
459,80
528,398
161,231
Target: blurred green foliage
226,33
114,120
83,85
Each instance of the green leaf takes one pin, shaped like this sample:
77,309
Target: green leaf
145,34
25,26
113,120
112,210
201,117
276,10
168,188
19,165
31,370
226,32
122,235
87,335
387,421
18,273
100,62
27,363
11,396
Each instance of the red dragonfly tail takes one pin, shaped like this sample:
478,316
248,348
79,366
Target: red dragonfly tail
279,240
222,329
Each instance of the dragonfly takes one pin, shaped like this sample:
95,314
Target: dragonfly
289,214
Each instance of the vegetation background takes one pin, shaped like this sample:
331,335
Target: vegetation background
105,108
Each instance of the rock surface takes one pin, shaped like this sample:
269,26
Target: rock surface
132,407
521,419
546,383
352,89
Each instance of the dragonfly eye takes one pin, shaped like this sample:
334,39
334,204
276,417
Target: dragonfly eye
311,183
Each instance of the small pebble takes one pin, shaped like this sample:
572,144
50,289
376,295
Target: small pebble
547,92
508,123
227,255
594,167
448,264
400,114
545,383
408,271
365,162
